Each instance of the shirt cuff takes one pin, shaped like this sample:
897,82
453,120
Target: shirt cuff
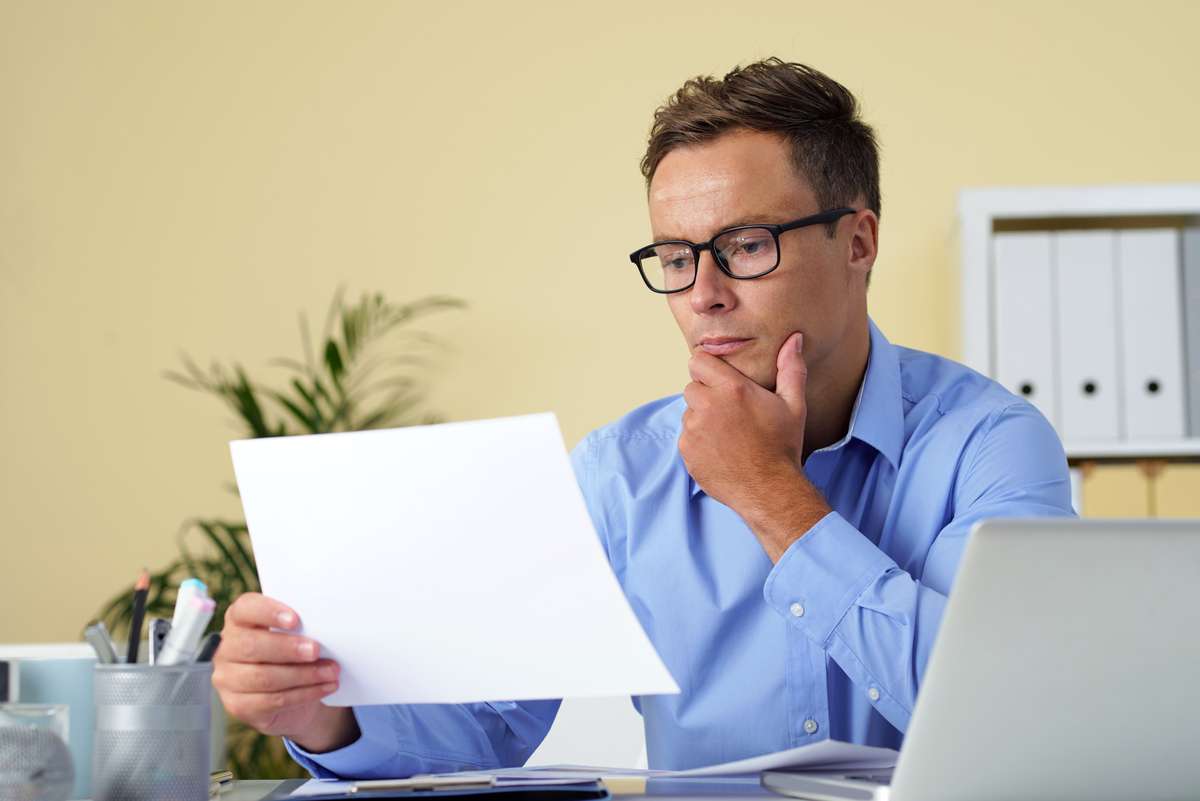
821,576
376,744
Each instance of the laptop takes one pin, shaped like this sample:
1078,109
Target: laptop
1067,666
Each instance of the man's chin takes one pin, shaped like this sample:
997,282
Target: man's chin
752,369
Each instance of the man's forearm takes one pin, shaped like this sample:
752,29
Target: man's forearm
335,728
788,507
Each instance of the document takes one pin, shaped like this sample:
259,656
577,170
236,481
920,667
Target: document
826,755
444,564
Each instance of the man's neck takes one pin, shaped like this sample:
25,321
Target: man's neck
833,388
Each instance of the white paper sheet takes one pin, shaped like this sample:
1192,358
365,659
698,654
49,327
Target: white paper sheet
321,787
444,564
823,755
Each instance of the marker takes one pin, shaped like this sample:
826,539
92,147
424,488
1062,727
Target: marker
139,611
187,589
182,641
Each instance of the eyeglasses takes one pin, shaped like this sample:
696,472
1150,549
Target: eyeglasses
742,252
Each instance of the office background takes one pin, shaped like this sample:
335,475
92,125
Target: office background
188,177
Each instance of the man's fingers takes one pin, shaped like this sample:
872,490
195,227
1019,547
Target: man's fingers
257,645
695,395
249,707
254,609
791,376
712,371
237,677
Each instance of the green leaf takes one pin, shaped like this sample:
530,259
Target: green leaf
213,532
333,362
238,537
248,406
310,422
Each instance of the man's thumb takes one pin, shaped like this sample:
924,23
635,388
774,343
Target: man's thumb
792,374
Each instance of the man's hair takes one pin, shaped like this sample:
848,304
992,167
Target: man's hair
830,145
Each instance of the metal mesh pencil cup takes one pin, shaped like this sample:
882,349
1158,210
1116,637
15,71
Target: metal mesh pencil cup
152,732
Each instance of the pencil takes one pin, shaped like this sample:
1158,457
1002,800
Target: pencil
139,611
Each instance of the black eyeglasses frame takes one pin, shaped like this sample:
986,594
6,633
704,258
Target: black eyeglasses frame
832,215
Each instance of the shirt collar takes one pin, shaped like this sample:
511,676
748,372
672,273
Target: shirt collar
878,418
878,415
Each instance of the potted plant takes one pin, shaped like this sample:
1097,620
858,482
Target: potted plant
362,372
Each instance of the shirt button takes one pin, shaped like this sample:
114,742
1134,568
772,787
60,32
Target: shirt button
810,726
797,610
873,694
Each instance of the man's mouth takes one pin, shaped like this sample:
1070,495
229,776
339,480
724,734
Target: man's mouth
723,346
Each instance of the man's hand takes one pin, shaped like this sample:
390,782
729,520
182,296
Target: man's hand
273,680
743,444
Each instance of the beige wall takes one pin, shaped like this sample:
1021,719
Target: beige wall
186,177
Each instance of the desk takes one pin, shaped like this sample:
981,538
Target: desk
741,789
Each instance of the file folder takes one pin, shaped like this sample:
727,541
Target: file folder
1085,268
573,791
1024,355
1152,383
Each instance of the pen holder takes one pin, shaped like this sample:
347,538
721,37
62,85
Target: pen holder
152,732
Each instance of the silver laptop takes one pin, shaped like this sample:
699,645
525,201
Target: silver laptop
1067,666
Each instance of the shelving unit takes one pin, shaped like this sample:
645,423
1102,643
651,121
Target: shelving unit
984,211
1178,450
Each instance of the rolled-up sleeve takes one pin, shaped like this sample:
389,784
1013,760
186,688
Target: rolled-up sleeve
404,740
878,621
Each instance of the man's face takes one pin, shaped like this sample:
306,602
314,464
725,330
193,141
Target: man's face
819,287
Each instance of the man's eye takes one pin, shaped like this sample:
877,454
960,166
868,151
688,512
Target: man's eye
751,247
676,261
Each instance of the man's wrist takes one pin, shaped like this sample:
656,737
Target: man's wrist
335,728
791,506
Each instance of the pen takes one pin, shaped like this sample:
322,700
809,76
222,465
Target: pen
8,682
209,649
97,635
139,610
159,628
424,783
182,641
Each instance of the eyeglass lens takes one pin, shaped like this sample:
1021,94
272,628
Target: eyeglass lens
745,252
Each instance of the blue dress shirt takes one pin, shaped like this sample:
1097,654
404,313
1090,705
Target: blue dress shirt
830,642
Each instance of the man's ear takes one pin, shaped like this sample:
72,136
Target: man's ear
864,242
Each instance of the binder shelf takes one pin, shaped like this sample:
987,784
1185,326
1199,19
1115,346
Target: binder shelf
1086,301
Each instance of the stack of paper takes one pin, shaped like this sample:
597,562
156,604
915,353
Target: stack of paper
825,756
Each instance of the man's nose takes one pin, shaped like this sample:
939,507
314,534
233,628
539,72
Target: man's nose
713,290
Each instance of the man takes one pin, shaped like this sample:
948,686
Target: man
788,530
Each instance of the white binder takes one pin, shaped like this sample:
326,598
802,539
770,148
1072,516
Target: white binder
1191,323
1085,269
1149,281
1024,355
